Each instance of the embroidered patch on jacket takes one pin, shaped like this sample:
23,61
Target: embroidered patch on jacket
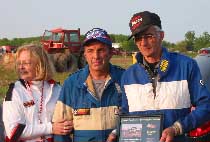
202,82
163,65
28,103
82,111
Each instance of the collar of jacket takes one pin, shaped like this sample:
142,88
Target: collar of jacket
164,61
51,81
83,75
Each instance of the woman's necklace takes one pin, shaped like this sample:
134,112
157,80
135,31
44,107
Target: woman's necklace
41,99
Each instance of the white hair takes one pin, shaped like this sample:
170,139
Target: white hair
157,28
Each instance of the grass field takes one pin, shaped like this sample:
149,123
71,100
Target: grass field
8,75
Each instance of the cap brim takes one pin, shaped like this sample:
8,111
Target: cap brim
97,39
139,30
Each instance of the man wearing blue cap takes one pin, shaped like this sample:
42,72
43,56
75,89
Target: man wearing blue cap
91,97
163,82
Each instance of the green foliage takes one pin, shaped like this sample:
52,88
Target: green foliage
181,46
202,42
3,90
190,38
191,43
19,41
112,36
7,76
119,38
168,44
128,45
82,37
4,41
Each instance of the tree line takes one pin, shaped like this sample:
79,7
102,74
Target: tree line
190,43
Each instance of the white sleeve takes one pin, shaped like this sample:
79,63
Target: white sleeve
14,120
13,114
37,130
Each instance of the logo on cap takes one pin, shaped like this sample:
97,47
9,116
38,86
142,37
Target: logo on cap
135,22
98,34
94,33
142,21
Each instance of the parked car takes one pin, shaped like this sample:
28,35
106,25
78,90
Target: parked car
204,51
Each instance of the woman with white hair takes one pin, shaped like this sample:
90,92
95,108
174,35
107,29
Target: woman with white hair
29,103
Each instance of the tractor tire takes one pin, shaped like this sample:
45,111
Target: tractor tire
66,62
81,61
72,65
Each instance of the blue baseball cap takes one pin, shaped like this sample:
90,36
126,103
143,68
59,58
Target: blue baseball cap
97,34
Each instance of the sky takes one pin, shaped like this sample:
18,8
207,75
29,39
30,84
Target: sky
29,18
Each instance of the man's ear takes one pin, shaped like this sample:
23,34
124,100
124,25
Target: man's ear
111,51
162,34
84,53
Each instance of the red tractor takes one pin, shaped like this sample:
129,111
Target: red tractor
64,46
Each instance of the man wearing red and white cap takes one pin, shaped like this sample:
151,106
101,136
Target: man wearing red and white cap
163,82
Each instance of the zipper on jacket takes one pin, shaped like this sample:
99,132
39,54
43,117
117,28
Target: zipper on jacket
92,94
153,77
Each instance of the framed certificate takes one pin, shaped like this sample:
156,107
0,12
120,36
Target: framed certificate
140,128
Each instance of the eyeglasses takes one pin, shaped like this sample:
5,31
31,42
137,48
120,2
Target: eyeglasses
148,37
23,64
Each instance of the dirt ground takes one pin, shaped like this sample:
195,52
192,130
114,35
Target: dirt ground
123,61
8,60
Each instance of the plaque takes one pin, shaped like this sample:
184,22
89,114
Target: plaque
140,128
